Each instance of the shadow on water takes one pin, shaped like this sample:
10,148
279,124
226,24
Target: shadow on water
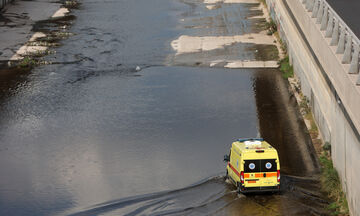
281,124
11,78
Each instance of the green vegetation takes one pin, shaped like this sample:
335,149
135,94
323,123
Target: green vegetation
27,62
42,42
331,184
286,68
39,53
271,27
313,128
283,46
71,4
304,104
330,181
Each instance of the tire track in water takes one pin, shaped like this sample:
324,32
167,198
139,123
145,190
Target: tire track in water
213,196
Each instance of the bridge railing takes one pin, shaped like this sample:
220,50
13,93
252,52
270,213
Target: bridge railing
348,44
4,2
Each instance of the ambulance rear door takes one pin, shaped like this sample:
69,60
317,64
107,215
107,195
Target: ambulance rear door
260,173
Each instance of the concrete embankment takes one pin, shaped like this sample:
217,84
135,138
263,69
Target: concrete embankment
323,69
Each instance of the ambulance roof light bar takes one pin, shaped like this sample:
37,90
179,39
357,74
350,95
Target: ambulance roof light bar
250,139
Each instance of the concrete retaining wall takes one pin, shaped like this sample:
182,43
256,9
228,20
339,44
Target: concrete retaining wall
4,2
332,91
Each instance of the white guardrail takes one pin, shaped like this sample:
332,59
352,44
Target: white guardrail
4,2
348,44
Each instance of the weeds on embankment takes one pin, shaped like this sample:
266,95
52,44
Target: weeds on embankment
330,183
27,62
286,68
271,27
330,180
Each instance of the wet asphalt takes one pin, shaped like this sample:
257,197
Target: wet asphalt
94,135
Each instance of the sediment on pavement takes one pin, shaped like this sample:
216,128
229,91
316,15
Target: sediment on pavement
207,49
31,29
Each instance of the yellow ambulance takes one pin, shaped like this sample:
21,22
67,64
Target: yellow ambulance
253,166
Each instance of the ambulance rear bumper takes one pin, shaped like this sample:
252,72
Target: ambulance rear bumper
259,189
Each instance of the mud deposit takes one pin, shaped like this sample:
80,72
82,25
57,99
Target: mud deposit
121,125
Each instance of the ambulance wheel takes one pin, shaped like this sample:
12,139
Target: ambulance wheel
226,175
238,188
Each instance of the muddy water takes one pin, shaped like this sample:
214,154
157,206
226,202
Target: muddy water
91,135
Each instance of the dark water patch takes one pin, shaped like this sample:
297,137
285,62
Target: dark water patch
52,24
10,78
3,19
133,71
265,52
260,24
281,124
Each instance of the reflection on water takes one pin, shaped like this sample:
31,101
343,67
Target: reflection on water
112,136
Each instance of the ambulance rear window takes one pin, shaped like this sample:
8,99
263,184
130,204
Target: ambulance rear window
252,166
265,165
268,165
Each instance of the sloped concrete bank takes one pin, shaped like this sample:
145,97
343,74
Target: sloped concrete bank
333,95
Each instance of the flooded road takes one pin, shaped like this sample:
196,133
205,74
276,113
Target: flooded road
124,124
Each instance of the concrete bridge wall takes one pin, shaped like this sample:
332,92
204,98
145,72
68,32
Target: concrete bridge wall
324,53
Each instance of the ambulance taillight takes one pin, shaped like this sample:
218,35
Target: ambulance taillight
242,177
278,175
